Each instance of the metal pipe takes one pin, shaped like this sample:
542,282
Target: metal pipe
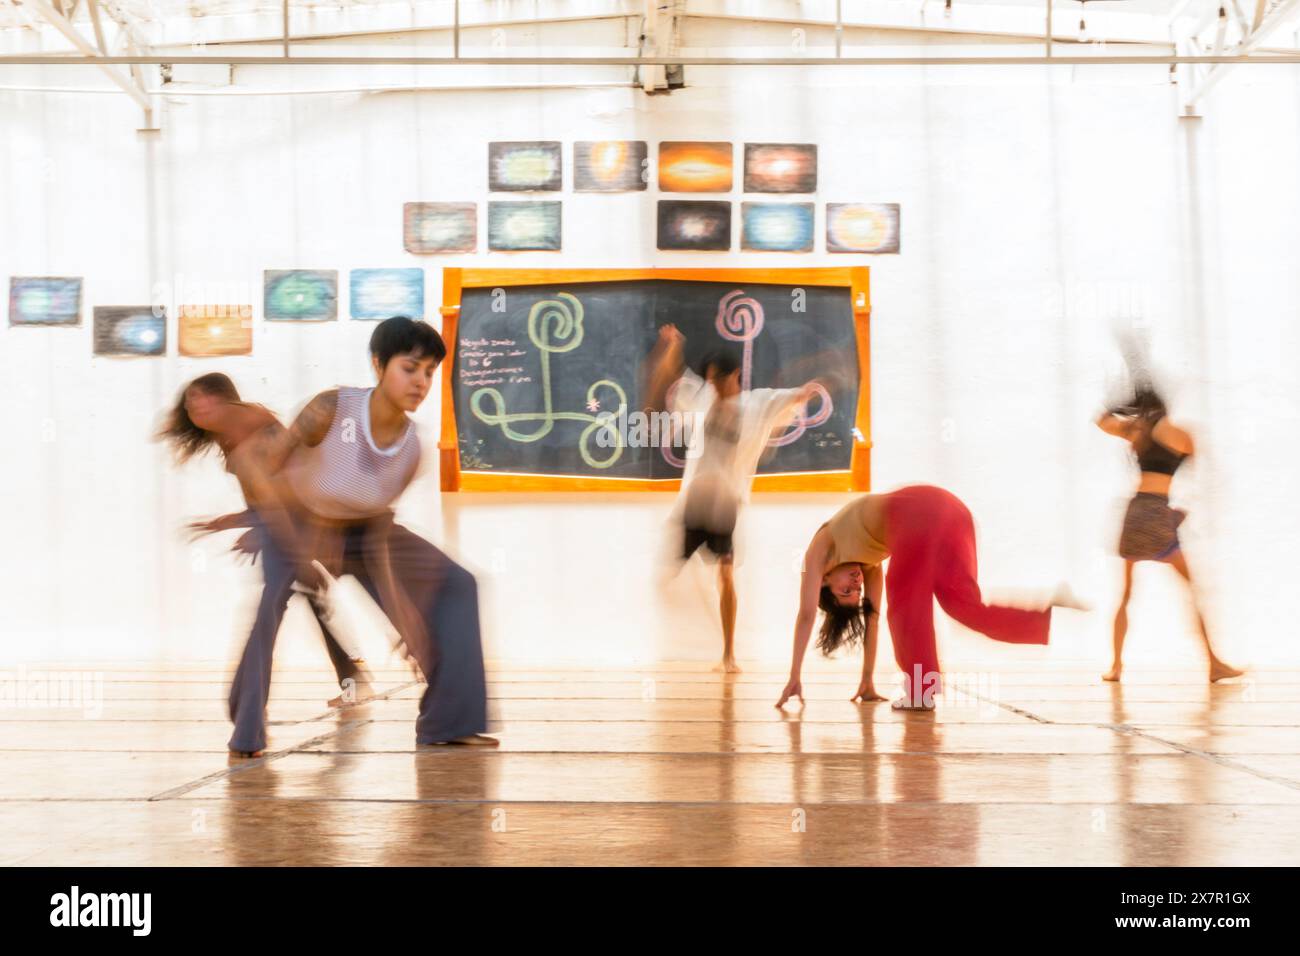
1047,39
839,28
336,91
44,59
455,32
286,29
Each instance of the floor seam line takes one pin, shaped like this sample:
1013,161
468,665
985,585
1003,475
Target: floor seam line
1130,730
228,772
1213,758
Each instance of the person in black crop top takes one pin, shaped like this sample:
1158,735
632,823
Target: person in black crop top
1150,531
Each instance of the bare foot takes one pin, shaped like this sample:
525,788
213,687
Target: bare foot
1113,674
728,666
246,754
1221,671
906,703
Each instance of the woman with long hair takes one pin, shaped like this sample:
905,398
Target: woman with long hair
928,536
1150,531
210,414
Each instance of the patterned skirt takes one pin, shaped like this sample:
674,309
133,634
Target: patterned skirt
1150,528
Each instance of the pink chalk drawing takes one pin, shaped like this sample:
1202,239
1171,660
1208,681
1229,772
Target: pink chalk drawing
740,319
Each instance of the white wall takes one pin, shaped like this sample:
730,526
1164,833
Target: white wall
1036,209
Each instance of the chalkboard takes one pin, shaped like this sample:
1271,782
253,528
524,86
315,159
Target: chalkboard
549,378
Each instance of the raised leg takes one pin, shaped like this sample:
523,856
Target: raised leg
957,588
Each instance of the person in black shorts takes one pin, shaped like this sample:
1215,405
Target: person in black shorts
728,428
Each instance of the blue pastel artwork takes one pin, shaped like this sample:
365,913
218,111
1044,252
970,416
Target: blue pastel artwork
44,300
383,293
130,330
518,226
300,295
776,227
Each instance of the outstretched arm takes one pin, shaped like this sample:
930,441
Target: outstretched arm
1116,425
240,519
665,365
793,398
814,560
866,687
258,461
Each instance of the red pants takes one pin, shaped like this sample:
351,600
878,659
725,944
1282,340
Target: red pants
932,555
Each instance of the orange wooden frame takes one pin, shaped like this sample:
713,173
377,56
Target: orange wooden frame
455,281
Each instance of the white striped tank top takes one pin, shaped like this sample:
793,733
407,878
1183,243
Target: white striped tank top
347,476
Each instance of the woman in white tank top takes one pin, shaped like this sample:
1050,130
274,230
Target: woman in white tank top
342,465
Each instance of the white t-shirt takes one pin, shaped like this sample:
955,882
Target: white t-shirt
727,440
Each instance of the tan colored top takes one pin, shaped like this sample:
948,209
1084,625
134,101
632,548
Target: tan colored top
851,542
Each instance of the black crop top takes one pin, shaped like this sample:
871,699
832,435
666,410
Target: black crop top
1159,459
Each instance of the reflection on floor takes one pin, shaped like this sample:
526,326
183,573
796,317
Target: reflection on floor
671,765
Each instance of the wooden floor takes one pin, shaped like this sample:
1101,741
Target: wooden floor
671,766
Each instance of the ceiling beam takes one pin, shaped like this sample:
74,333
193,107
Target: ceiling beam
97,25
1255,38
57,20
391,20
1284,59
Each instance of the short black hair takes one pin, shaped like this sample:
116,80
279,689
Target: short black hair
722,364
402,335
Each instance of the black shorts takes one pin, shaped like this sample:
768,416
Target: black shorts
719,542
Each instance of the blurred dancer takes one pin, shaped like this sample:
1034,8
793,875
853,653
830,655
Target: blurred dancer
346,459
1150,530
210,414
723,454
929,538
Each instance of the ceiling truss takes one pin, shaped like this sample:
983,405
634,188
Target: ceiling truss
1199,51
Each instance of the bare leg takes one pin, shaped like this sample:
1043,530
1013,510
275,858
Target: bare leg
1121,625
1218,669
727,606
